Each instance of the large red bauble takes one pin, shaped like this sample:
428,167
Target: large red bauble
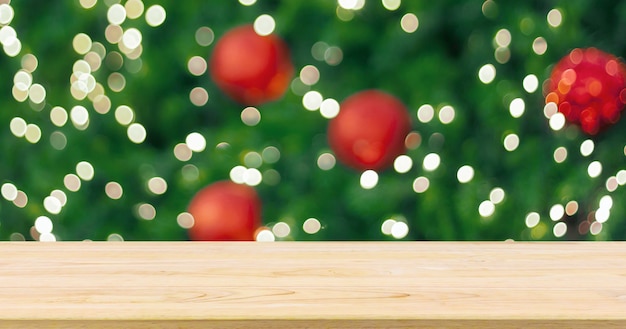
225,211
369,131
588,87
250,68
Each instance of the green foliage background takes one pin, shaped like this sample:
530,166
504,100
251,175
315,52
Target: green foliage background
436,65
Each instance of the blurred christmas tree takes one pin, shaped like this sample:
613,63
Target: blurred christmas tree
111,122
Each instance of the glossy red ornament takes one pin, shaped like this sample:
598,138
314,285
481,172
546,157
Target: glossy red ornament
225,211
250,68
369,131
588,86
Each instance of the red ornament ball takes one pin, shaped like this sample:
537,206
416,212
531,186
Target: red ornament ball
250,68
369,131
225,211
588,86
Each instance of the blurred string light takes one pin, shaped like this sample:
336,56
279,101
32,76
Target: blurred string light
559,229
431,162
594,169
550,109
530,83
18,127
79,117
486,208
554,17
157,185
399,230
540,46
21,199
586,147
611,184
11,44
312,100
557,121
425,113
385,227
409,23
248,176
391,5
465,174
413,140
185,220
58,140
501,42
71,182
145,211
136,133
155,15
333,55
116,14
621,177
511,142
264,25
560,154
33,133
124,115
490,9
115,237
402,164
198,96
369,179
446,114
421,184
329,108
43,226
487,73
252,160
114,190
571,208
197,65
196,142
134,8
250,116
309,75
6,14
311,225
532,219
182,152
517,107
265,235
85,170
247,2
351,4
326,161
318,50
52,205
557,212
8,191
281,230
496,196
190,172
204,36
270,154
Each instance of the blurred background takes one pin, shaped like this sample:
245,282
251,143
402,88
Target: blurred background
119,153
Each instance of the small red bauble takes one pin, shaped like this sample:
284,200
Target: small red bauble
225,211
369,131
588,86
250,68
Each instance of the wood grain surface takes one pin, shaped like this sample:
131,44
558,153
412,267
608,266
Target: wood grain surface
312,285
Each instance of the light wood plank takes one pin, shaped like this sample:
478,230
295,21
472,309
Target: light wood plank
313,285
